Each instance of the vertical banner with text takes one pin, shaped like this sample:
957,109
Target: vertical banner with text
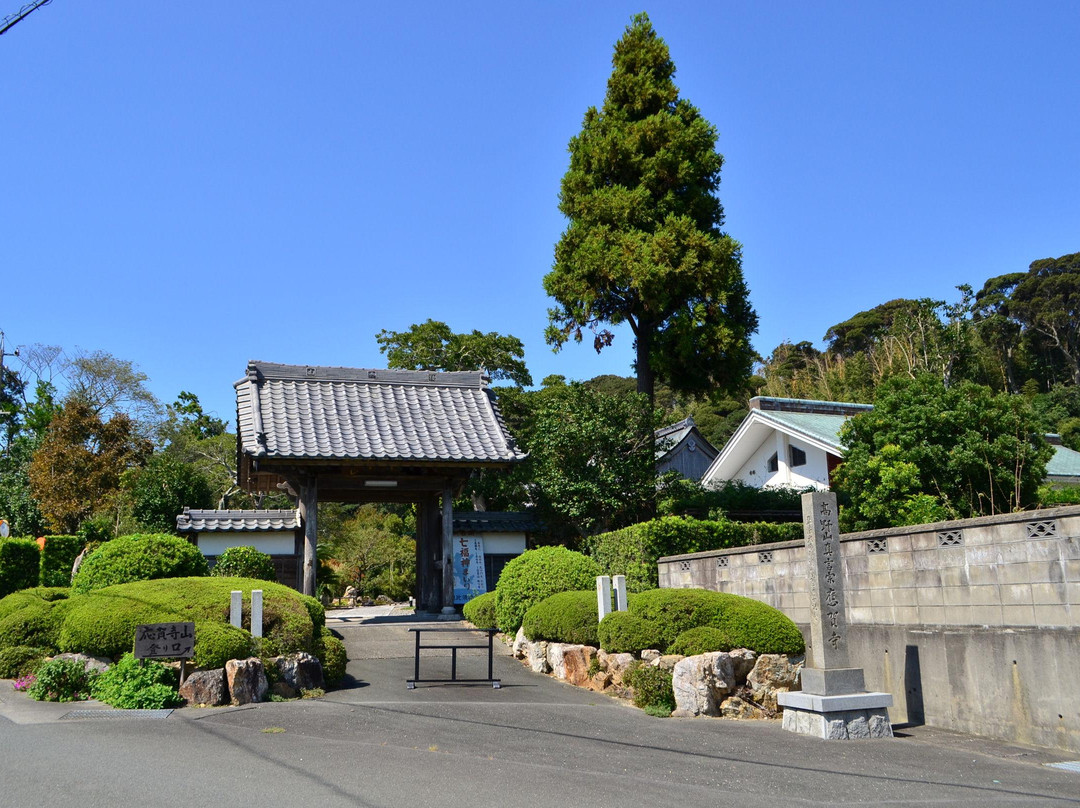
469,577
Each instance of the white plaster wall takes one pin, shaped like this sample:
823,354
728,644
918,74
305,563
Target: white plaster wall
277,542
504,543
814,474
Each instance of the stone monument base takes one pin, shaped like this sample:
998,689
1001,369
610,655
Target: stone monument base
837,718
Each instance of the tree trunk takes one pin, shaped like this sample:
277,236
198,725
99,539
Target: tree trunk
646,381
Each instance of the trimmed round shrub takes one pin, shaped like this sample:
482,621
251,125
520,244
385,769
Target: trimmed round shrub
34,625
217,643
331,652
565,617
103,622
538,574
626,633
480,611
652,689
19,660
315,610
129,685
244,562
747,623
31,597
139,557
700,640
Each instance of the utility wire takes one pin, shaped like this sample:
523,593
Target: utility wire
9,21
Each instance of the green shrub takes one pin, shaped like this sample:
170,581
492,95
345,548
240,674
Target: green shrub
746,623
31,597
244,562
652,688
19,562
19,660
58,558
130,685
103,622
565,617
700,640
315,610
626,633
331,652
633,551
480,611
62,680
140,557
535,575
36,624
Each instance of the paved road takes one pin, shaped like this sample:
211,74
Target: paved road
531,743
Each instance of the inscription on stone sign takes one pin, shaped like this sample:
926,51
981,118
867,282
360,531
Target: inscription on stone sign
165,641
828,619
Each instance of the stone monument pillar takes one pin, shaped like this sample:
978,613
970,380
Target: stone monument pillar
833,703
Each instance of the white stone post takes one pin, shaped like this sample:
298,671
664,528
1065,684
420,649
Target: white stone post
236,608
256,612
603,595
619,585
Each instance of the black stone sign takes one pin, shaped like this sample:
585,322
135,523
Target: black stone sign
165,641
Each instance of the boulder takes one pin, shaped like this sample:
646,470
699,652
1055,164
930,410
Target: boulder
537,656
667,662
570,662
701,683
600,681
300,671
649,654
736,707
616,665
90,663
283,689
743,660
521,645
247,680
773,674
204,688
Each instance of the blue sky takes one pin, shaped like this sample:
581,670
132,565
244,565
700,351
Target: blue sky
192,185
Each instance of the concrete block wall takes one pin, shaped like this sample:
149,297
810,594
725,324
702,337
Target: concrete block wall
973,625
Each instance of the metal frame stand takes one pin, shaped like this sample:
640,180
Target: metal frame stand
453,648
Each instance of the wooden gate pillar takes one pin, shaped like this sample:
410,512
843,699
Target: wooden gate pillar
448,550
309,507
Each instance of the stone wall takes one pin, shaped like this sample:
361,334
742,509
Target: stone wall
972,625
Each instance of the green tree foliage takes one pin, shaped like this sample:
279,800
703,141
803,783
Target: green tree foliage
644,245
163,488
111,386
431,345
375,551
1047,300
593,465
973,451
17,503
80,462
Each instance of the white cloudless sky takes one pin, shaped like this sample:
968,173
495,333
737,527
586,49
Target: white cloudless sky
193,185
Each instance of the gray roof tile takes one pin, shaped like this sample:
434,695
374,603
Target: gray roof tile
202,521
294,411
495,522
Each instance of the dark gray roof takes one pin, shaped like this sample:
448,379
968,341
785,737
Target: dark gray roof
296,411
495,522
203,521
669,438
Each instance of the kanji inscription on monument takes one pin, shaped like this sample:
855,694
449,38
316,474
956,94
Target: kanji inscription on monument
165,640
828,620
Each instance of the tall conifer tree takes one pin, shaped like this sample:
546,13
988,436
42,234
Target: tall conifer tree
644,244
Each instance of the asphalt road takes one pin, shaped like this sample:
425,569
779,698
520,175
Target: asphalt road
533,742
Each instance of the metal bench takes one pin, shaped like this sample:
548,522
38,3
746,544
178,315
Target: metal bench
453,648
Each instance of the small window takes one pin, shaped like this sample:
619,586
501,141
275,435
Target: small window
798,456
774,463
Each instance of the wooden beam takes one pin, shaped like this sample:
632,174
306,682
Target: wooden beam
309,507
448,550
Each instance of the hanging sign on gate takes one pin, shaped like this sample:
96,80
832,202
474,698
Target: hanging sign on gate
469,577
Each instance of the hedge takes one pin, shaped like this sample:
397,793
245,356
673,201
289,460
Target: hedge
244,562
626,633
535,575
701,640
20,560
564,617
139,557
18,660
57,558
746,623
480,611
633,551
331,652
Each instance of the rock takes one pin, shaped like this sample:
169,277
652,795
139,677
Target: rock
300,671
247,680
773,674
283,689
743,660
616,665
521,645
384,600
736,707
668,661
537,656
570,662
701,682
649,654
204,688
90,663
600,681
367,602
